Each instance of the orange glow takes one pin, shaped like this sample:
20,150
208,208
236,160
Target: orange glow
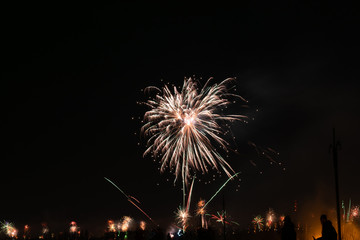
142,225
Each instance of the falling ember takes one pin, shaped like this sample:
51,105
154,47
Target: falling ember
183,125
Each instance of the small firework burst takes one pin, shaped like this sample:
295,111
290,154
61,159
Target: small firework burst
201,210
73,227
354,212
111,226
182,216
9,229
258,221
220,217
270,218
125,223
143,225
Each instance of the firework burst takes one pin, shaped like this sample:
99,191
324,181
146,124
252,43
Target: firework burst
143,225
73,227
182,127
9,229
182,216
258,221
354,212
111,226
270,218
125,224
220,217
200,210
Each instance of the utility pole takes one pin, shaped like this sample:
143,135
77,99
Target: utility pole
334,148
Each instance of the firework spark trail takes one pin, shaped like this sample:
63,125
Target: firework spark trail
182,213
140,209
116,187
182,126
348,214
129,199
189,197
265,152
134,199
231,177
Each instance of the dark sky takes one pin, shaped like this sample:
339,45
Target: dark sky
72,76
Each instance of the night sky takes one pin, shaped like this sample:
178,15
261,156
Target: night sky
72,76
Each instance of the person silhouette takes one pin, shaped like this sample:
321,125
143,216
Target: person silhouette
328,232
288,230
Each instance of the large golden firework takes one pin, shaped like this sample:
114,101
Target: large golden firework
183,126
